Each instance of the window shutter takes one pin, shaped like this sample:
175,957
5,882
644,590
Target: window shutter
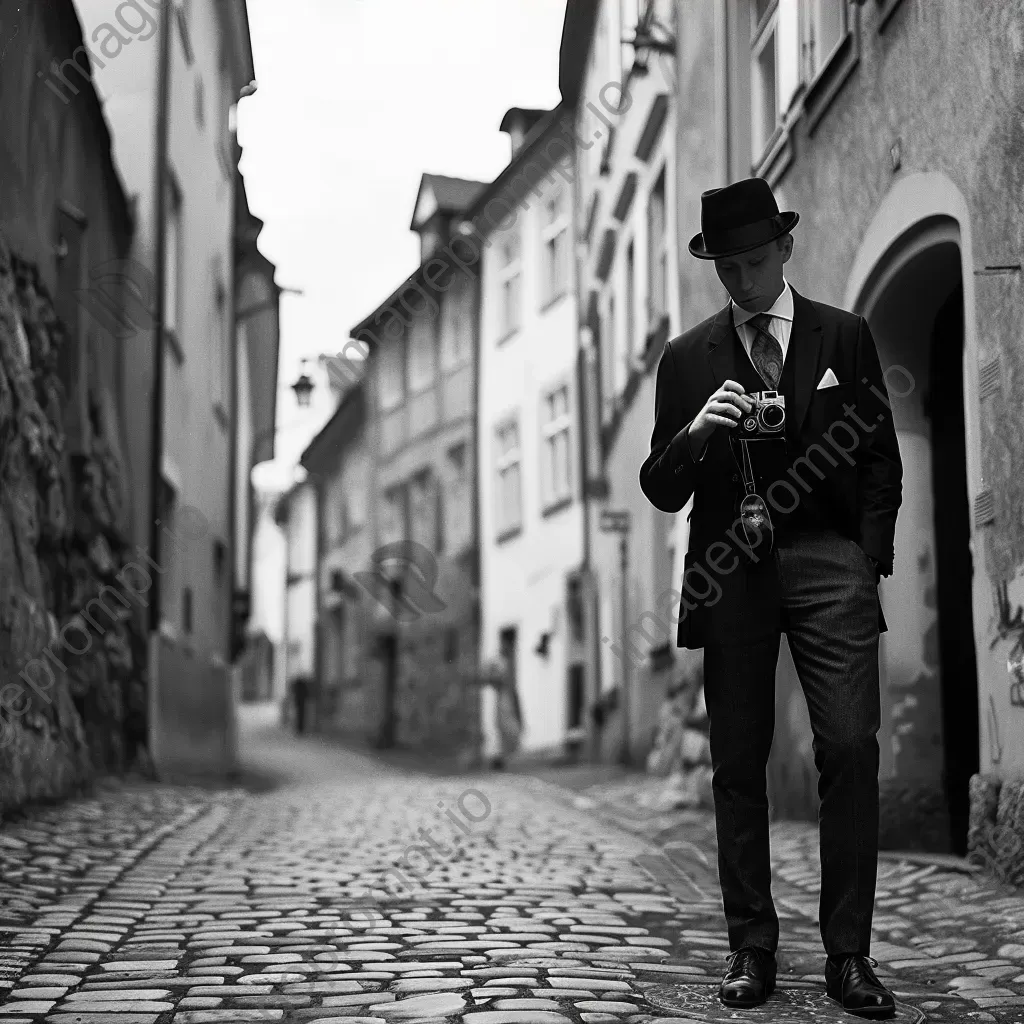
788,54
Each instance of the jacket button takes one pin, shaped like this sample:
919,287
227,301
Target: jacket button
735,478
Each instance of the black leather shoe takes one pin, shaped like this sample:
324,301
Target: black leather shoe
851,982
750,979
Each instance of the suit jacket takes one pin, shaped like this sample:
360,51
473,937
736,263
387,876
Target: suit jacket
845,444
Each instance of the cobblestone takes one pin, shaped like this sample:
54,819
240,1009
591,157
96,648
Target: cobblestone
358,894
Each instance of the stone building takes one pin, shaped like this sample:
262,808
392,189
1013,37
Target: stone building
420,381
893,127
531,520
72,680
209,68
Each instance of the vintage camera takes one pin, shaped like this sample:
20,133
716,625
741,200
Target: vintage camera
766,420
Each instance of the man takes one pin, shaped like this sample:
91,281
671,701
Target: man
789,532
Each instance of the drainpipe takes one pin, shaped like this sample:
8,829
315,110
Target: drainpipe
232,478
591,616
318,623
157,400
477,609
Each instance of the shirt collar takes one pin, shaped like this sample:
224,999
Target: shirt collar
782,307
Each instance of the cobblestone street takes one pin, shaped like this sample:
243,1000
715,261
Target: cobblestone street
148,904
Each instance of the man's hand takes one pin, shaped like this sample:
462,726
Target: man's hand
723,409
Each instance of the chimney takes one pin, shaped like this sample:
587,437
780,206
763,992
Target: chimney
518,123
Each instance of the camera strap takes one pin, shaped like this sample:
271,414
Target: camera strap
754,516
746,467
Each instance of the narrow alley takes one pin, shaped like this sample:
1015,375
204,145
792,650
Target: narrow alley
357,892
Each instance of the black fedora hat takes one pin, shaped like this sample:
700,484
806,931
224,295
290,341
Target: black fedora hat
738,218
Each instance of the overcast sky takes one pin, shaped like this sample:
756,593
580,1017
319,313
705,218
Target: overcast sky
356,99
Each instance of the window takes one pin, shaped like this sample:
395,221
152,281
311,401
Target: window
220,561
555,239
458,506
423,509
629,15
657,254
393,525
556,460
775,63
344,516
824,28
457,339
392,376
509,278
631,325
221,368
422,355
183,10
451,645
617,349
508,494
172,259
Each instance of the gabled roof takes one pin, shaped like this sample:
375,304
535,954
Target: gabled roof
473,211
440,193
337,433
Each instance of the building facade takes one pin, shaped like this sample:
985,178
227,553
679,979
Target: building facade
421,386
630,301
339,462
296,515
255,368
209,65
531,523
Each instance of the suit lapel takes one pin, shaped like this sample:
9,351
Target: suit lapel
721,351
805,345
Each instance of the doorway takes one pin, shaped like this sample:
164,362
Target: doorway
508,644
929,737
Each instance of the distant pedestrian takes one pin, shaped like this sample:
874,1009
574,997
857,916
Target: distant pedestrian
508,722
300,694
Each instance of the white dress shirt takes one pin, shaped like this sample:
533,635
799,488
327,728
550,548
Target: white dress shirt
780,327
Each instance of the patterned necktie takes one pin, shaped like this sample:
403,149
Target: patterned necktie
765,352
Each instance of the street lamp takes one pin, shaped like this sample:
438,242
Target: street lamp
303,386
651,36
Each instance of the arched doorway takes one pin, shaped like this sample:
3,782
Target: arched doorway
914,302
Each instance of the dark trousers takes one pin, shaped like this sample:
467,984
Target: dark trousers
829,612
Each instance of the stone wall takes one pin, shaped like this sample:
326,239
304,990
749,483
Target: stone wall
995,839
72,700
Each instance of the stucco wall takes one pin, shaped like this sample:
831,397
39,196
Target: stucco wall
524,577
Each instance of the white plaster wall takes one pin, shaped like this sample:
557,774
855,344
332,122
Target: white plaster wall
523,579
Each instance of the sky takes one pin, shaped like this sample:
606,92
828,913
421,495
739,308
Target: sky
355,100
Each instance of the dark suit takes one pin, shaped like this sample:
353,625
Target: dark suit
833,488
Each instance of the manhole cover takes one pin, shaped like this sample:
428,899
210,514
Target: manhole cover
786,1006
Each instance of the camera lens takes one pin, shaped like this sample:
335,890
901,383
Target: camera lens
750,424
772,417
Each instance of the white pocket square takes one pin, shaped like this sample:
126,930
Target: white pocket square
829,380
